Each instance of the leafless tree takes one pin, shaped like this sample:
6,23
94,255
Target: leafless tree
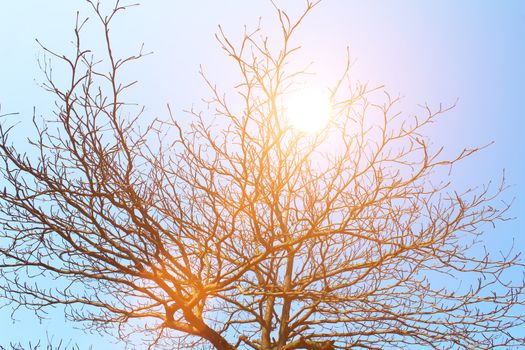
61,345
229,228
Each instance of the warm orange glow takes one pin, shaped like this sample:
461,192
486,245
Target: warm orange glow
308,109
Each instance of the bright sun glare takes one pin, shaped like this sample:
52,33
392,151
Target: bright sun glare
308,109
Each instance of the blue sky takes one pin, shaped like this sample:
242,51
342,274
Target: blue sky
428,52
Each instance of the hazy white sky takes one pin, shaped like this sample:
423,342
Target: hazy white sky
432,51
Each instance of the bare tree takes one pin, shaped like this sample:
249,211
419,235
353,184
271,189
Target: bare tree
61,345
236,230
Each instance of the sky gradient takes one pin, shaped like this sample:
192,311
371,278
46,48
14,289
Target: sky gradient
428,52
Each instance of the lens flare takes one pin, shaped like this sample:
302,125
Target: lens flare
308,110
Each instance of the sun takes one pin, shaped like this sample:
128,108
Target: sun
308,109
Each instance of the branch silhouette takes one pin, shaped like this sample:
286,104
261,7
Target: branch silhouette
235,230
